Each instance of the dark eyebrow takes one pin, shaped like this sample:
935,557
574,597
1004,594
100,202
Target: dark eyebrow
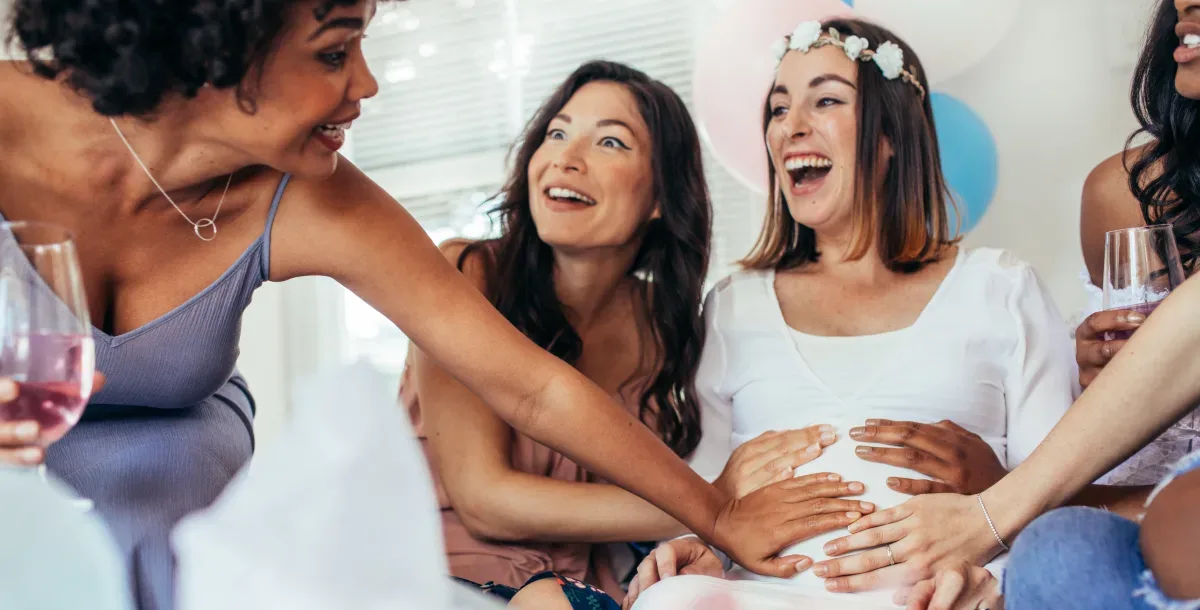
562,117
826,78
349,23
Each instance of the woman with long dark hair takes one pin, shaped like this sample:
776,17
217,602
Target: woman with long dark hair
604,246
143,128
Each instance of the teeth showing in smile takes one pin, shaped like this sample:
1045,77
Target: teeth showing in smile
334,132
807,161
1191,41
561,193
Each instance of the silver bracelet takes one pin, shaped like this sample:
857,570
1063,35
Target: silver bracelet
989,522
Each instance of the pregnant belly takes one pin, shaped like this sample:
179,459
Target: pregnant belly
839,458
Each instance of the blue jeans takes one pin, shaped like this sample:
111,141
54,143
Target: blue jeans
1085,558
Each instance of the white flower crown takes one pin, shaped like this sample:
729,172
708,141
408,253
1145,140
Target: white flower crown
889,56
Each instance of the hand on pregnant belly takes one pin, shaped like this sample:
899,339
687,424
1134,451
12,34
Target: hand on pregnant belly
957,460
771,457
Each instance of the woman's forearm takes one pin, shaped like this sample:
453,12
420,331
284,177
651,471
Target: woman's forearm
620,449
520,507
1152,382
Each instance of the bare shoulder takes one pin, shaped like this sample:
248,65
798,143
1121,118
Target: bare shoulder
472,258
326,224
1107,205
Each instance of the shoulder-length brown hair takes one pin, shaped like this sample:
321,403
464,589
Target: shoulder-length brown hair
904,215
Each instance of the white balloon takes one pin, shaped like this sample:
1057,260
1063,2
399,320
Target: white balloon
950,36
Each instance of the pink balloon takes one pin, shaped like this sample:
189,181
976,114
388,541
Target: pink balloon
735,69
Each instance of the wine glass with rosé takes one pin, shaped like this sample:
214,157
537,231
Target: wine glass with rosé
1141,267
45,332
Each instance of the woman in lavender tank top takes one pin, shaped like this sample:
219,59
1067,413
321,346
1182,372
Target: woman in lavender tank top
144,128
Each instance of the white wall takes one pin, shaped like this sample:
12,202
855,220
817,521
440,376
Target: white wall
1055,95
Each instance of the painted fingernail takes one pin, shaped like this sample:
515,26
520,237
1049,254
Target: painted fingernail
820,569
893,482
834,477
813,448
867,506
855,487
827,437
31,456
26,431
863,450
857,432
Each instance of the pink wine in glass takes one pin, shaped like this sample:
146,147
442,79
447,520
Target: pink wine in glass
1123,335
54,388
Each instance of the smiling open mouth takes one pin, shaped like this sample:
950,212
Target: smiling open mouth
565,195
808,170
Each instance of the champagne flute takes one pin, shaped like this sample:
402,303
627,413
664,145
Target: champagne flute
45,331
1141,267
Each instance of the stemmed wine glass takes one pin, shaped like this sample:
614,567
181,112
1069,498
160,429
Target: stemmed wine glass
45,331
1141,267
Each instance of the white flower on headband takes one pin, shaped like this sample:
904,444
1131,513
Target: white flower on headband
890,59
854,46
780,48
805,35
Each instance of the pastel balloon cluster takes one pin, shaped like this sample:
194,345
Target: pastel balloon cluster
734,66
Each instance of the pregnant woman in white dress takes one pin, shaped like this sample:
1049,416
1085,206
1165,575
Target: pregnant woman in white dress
857,305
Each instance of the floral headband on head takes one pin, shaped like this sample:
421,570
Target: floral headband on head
889,56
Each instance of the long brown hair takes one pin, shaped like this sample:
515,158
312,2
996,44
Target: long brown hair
673,258
906,214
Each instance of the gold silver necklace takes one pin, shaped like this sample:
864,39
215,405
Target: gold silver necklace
201,227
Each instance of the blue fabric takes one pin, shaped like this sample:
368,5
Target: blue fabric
1087,558
1075,557
581,596
173,423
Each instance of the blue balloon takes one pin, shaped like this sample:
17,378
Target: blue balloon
849,3
969,158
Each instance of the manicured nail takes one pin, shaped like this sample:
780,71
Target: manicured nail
893,482
31,456
854,515
1133,317
26,431
834,477
855,487
831,585
820,569
867,506
857,432
803,565
828,437
813,448
862,450
873,422
831,549
825,428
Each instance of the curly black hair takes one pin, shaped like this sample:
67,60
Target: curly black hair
1165,177
126,57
